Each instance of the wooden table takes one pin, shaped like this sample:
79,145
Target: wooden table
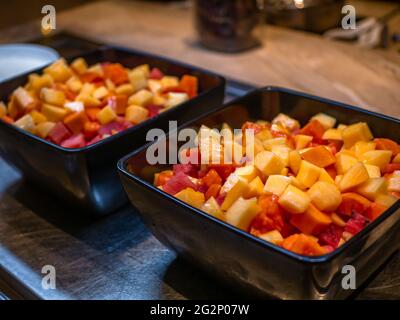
116,257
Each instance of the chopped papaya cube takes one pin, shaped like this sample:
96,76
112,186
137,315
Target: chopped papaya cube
212,177
312,221
387,144
303,244
213,191
375,211
355,176
320,156
353,203
315,129
271,216
115,72
75,122
192,197
190,85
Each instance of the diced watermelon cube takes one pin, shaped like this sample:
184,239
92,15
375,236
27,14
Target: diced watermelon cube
111,128
220,199
156,74
94,140
76,141
331,235
59,133
177,183
188,169
154,110
356,223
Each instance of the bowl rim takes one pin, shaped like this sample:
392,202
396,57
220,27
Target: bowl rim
122,168
147,122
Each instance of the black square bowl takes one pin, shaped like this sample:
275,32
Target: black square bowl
87,178
238,257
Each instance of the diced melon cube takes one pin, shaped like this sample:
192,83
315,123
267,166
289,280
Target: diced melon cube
37,82
211,206
282,152
294,200
327,121
355,176
88,100
43,129
321,156
242,212
53,113
294,161
136,114
24,99
301,141
273,236
308,174
38,117
356,132
138,79
256,187
59,70
169,82
79,65
312,221
141,98
394,184
229,183
332,134
248,172
52,96
154,85
386,199
74,84
338,178
74,106
125,89
269,143
106,115
240,188
341,127
100,92
380,158
253,148
264,134
276,184
373,171
97,69
26,123
325,176
145,68
194,198
372,187
363,146
268,163
325,196
287,121
344,162
176,98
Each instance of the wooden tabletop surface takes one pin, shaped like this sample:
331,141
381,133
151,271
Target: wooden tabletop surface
116,257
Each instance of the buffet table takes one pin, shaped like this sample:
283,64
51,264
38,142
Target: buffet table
116,257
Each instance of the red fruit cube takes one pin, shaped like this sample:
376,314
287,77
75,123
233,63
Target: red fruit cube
76,141
356,223
59,133
156,74
188,169
177,183
331,235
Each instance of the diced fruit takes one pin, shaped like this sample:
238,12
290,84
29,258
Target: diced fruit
268,163
355,176
156,74
303,244
332,134
100,93
372,187
308,174
53,113
138,80
79,65
270,217
75,122
176,98
23,98
276,184
332,235
336,219
387,144
325,176
136,114
375,211
255,188
74,84
327,121
59,133
294,161
26,123
106,115
248,172
396,159
212,177
169,82
386,200
302,141
344,162
373,171
37,82
325,196
213,191
242,212
380,158
320,156
38,117
59,71
125,89
394,184
194,198
356,132
312,221
43,129
76,141
115,72
362,147
268,144
177,183
315,129
391,167
273,236
288,122
294,200
190,85
240,188
51,96
212,207
141,98
355,224
353,203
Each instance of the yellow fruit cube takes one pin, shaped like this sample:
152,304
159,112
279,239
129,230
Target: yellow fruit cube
138,80
380,158
88,100
269,143
248,172
100,92
144,68
325,196
301,141
125,88
355,176
264,134
327,121
194,198
59,71
294,200
38,117
372,187
37,82
141,98
273,236
282,152
136,114
43,129
229,183
211,206
341,127
286,121
169,82
276,184
325,176
344,162
294,161
256,187
362,147
74,84
253,148
356,132
386,199
53,113
373,171
332,134
79,65
268,163
23,97
26,123
106,115
52,96
308,174
394,184
242,212
240,188
3,109
176,98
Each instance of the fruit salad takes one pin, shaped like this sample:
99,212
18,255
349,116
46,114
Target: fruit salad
77,105
306,189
